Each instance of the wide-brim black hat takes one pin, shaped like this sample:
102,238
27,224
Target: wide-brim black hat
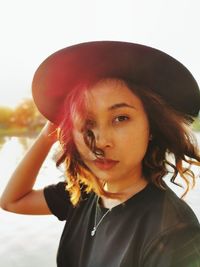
79,64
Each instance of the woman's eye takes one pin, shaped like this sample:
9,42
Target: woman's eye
121,118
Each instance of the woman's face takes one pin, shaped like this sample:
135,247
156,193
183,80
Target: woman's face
117,118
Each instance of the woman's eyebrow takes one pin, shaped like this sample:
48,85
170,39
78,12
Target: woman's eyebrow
120,105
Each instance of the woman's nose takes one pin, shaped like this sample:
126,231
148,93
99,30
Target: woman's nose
103,139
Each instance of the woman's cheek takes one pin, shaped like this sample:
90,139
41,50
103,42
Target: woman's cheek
82,148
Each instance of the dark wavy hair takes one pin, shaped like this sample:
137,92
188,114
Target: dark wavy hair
172,148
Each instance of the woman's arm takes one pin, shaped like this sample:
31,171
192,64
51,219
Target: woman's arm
19,196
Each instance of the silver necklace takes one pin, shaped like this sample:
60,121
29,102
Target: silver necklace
96,225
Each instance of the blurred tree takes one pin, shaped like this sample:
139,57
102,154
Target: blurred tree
5,115
23,113
27,115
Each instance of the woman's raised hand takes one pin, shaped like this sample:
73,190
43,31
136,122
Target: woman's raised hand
50,131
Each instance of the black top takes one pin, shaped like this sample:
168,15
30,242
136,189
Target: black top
154,228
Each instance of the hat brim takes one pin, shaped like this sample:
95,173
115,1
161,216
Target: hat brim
62,71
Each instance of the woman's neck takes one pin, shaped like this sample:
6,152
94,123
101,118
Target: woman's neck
127,190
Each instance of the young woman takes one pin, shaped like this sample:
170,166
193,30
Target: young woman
121,113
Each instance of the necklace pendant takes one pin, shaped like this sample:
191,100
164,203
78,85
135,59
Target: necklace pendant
93,231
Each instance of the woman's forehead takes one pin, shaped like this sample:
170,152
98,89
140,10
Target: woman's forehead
110,93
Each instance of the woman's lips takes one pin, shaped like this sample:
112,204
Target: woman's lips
105,164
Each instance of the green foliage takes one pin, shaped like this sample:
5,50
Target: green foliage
196,124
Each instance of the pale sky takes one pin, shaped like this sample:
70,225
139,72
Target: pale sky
33,29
